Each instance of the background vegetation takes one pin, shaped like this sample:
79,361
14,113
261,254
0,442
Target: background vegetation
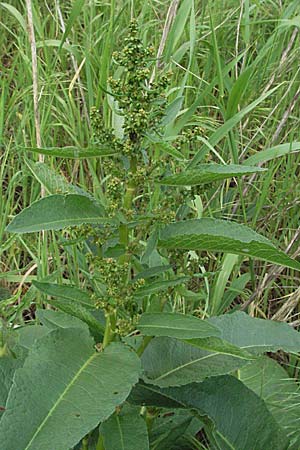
224,56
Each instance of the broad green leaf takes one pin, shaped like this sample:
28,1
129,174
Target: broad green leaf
29,334
281,394
216,344
125,430
207,173
58,319
67,292
69,387
271,153
56,212
53,182
240,418
257,335
73,152
170,362
176,325
77,310
158,286
222,236
9,363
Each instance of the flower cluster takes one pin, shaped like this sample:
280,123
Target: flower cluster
101,134
119,291
142,104
188,137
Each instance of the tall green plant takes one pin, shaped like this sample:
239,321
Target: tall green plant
107,367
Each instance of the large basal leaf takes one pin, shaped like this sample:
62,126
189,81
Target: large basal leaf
9,363
257,335
176,325
56,212
281,394
207,173
222,236
170,362
29,334
64,389
73,152
241,418
125,430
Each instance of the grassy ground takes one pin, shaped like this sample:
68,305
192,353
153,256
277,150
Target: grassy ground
224,55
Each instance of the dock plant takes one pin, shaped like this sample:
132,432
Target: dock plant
133,357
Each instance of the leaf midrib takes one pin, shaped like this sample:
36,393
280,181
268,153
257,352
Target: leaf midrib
60,398
161,377
72,220
177,328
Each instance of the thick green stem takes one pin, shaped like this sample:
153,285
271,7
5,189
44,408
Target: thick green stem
109,330
127,205
145,342
100,443
85,443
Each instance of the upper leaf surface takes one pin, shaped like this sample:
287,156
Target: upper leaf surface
223,236
176,325
125,430
257,335
170,362
241,418
207,173
281,394
64,390
8,366
68,292
57,319
56,212
73,152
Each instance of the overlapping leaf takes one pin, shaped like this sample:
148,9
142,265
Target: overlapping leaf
56,212
281,394
170,362
239,419
222,236
176,325
74,152
207,173
67,292
257,335
125,430
69,389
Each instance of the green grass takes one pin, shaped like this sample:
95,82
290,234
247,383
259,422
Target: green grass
222,59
